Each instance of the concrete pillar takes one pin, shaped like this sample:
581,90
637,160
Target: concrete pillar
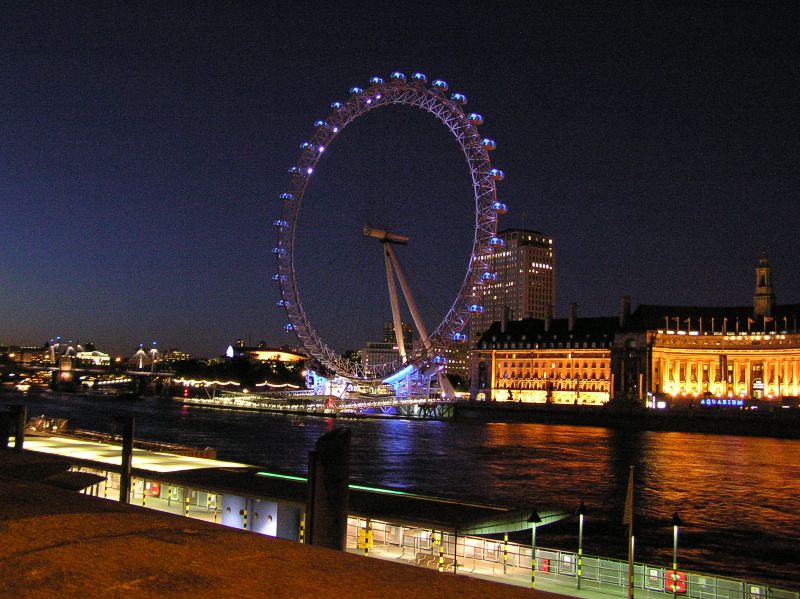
328,490
19,429
126,422
5,429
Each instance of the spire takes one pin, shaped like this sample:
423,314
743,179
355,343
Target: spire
764,298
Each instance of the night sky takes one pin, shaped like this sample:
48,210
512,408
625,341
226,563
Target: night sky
143,147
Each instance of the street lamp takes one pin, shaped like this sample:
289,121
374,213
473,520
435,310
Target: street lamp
676,523
581,511
533,520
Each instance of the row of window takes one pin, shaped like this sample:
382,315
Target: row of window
559,345
560,376
553,365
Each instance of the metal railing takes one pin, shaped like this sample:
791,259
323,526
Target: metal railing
554,568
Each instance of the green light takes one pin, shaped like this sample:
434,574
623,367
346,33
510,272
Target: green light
303,479
283,476
384,491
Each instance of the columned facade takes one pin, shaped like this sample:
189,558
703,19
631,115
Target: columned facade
753,366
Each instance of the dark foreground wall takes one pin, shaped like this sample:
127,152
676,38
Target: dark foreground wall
55,543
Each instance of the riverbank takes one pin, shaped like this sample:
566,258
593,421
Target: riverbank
781,423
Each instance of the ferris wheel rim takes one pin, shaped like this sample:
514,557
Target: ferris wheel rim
432,99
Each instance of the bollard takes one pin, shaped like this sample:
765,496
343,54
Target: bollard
144,491
244,518
127,457
186,502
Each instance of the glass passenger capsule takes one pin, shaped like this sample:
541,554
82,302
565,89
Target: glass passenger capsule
280,278
459,337
459,99
376,81
280,223
497,242
279,251
336,105
489,276
497,174
288,328
499,208
488,144
287,196
419,77
475,119
283,303
476,309
439,360
440,85
356,90
398,76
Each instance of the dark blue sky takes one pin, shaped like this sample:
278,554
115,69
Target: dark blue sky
142,149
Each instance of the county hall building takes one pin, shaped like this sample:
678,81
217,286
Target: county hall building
702,355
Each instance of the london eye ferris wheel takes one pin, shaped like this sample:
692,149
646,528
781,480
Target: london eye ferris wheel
428,355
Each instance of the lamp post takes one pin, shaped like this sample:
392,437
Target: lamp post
676,523
533,520
580,511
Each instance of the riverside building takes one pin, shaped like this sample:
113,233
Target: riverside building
697,355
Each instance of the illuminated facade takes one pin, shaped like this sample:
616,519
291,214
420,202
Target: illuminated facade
525,286
458,360
385,351
700,355
174,355
263,353
26,355
94,358
562,361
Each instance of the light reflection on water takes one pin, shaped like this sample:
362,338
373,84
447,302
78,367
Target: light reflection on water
737,496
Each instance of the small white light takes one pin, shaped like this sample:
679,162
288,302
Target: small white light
310,170
336,129
321,149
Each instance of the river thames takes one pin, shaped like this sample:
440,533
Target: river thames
738,497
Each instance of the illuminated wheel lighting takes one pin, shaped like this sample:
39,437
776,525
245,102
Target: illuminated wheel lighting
415,92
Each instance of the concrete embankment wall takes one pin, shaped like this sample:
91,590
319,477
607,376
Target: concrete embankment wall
55,543
778,423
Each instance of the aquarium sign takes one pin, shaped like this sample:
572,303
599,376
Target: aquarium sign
713,401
